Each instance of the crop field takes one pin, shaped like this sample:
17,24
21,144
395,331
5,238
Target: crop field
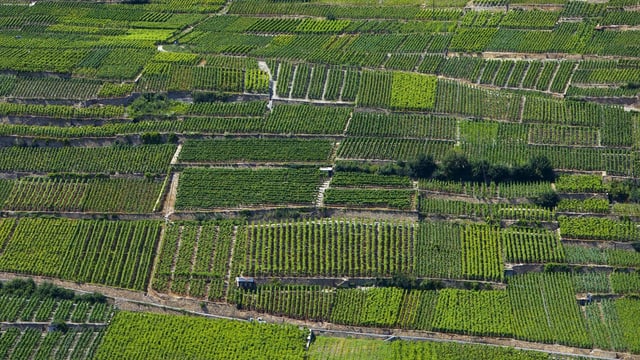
457,167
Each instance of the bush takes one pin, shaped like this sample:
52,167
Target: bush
59,326
548,199
554,268
151,138
422,167
455,166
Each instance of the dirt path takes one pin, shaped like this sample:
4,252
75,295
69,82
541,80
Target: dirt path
323,188
170,202
227,277
176,155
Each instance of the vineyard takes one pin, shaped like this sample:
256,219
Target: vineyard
116,253
459,167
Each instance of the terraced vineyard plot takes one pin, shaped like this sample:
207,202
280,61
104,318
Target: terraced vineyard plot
246,108
531,245
482,190
598,229
372,307
439,250
503,73
200,254
318,79
460,67
335,81
546,309
580,184
55,88
35,308
391,149
103,252
330,348
285,76
302,302
219,188
62,111
482,256
412,91
610,256
402,62
371,198
419,126
593,205
375,89
474,312
84,195
562,76
566,113
517,74
365,180
604,328
329,248
456,98
352,86
171,336
457,208
255,150
627,311
50,345
125,159
489,71
306,119
564,135
301,79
